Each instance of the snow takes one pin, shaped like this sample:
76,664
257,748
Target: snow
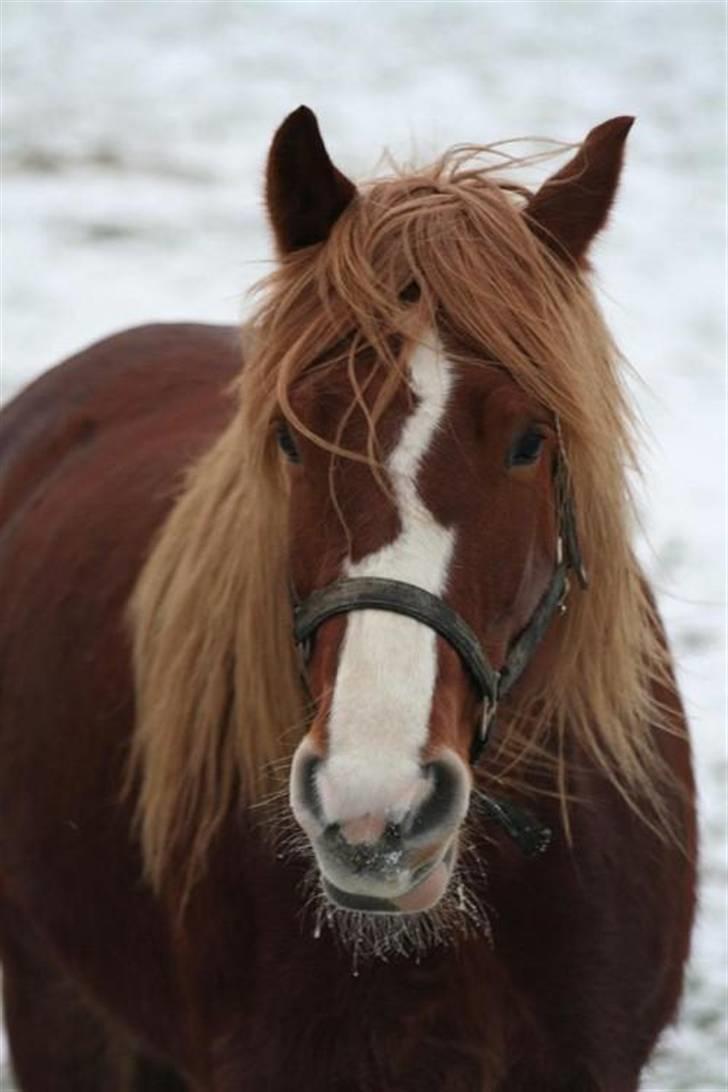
134,140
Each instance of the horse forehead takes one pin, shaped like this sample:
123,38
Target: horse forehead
419,422
340,406
431,376
430,434
484,389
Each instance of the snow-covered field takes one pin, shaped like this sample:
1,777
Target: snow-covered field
134,138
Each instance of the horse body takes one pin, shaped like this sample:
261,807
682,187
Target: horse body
571,963
82,438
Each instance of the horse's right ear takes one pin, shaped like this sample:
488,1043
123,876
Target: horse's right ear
305,193
573,205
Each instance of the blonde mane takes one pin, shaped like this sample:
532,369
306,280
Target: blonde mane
219,702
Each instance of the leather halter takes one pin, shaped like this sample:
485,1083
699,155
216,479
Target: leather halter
377,593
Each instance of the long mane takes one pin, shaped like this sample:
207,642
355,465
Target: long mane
219,702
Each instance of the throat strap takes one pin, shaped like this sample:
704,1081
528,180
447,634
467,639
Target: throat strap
531,836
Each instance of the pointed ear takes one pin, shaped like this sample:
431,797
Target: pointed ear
305,193
573,205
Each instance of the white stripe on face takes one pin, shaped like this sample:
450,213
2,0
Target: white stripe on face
384,686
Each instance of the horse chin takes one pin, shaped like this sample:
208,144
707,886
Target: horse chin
422,896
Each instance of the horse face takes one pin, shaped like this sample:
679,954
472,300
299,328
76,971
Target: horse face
464,508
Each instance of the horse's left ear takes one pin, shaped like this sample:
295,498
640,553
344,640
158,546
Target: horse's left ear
305,193
573,205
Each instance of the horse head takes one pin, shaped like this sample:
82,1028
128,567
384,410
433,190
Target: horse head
424,470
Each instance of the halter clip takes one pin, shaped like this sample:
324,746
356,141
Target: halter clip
490,708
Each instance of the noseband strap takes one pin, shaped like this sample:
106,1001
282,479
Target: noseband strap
376,593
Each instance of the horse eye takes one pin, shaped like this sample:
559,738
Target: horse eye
286,443
526,449
411,293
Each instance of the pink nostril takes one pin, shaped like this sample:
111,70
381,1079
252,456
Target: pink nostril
367,830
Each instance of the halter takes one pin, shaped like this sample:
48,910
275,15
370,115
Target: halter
377,593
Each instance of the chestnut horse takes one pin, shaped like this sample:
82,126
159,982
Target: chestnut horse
390,562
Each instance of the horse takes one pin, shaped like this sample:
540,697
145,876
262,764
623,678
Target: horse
341,743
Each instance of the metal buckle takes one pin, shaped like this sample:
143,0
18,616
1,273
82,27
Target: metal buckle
490,708
480,738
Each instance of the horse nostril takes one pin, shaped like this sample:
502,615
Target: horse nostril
308,790
437,810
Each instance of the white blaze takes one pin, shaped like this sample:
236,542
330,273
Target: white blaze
385,682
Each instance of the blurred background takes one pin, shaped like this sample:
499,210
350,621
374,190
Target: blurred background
134,138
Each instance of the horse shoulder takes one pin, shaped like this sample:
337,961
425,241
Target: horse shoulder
137,375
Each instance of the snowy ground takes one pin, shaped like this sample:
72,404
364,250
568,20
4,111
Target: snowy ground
134,138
